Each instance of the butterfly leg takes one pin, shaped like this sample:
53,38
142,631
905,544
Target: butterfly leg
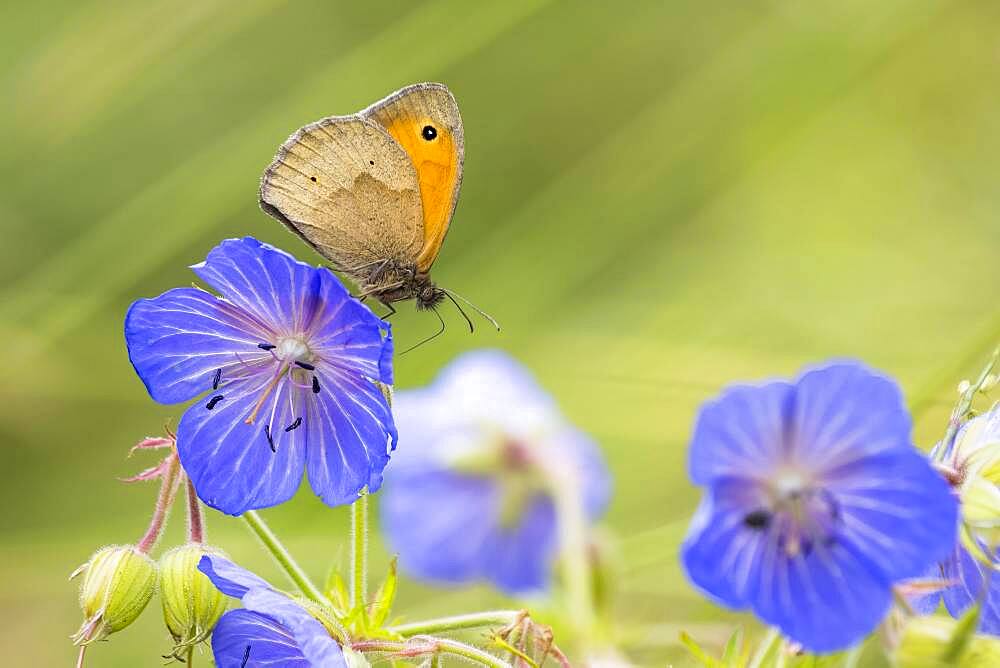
392,312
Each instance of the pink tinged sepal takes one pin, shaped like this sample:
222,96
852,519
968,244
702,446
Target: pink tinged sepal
159,470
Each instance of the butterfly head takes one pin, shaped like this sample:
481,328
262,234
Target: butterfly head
426,293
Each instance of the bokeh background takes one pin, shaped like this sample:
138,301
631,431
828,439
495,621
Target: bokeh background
659,198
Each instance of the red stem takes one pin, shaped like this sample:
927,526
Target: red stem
196,522
168,489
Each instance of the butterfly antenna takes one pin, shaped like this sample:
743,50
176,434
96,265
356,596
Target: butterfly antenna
487,316
459,307
432,336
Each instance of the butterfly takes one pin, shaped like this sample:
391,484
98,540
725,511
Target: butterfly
374,192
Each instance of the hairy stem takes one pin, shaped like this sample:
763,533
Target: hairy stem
196,521
168,489
359,550
474,620
283,556
430,645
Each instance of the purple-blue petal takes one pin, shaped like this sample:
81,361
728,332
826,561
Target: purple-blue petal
230,462
230,579
897,511
350,449
846,411
741,567
346,334
277,628
741,433
265,282
178,340
519,560
270,644
311,637
440,523
973,582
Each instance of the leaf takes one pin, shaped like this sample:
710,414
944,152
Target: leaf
384,598
733,654
964,632
336,589
698,653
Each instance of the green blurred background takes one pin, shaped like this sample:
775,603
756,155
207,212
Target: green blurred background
660,198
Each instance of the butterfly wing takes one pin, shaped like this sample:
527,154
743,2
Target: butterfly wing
437,153
350,191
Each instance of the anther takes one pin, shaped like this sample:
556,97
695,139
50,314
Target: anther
758,519
294,425
270,440
315,385
213,402
266,346
305,365
217,379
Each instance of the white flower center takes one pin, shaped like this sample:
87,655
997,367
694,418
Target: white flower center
293,349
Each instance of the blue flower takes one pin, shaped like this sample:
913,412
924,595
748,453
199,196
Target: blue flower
815,504
291,365
270,629
971,581
470,495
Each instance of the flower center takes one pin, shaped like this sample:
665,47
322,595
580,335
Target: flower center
293,349
801,514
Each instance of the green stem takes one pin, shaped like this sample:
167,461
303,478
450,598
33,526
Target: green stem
283,556
435,645
474,620
568,500
923,399
359,551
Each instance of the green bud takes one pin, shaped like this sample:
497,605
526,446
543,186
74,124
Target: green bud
938,642
118,582
191,603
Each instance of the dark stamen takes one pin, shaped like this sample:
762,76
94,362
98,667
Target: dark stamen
758,519
270,440
315,385
305,365
218,377
266,346
214,401
294,425
246,657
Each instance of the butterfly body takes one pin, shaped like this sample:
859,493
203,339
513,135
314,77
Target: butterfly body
374,192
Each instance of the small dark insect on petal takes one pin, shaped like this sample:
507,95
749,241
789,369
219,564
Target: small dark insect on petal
294,425
305,365
213,402
758,519
266,346
217,379
315,385
270,439
246,657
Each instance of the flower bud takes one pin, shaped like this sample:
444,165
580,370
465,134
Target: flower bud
118,582
191,603
941,642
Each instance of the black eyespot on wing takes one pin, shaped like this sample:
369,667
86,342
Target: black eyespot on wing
313,179
429,132
371,162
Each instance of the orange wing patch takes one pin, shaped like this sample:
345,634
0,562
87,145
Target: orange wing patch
432,149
